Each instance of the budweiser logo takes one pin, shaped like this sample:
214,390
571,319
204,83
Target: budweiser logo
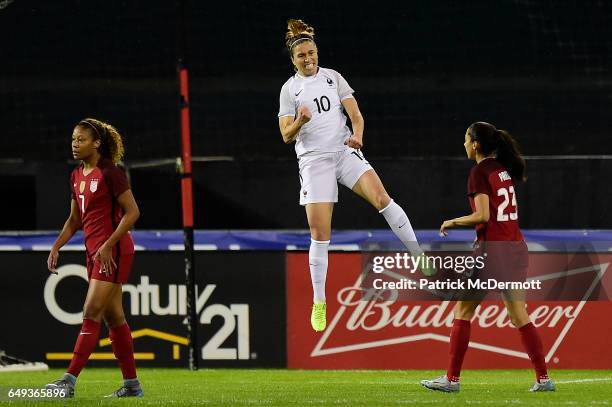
390,322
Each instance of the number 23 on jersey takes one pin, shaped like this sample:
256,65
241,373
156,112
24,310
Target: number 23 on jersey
509,198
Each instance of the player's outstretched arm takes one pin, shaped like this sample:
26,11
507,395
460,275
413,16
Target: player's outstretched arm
73,223
357,122
481,215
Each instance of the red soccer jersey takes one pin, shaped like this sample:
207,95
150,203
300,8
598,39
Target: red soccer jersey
96,196
491,178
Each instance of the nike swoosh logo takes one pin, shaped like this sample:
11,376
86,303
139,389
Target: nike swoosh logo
84,333
299,92
403,225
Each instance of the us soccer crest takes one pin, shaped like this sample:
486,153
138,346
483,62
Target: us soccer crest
93,185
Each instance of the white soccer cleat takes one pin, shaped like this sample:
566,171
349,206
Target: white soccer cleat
441,384
544,385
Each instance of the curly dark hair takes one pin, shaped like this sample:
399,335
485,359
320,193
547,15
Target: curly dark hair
111,143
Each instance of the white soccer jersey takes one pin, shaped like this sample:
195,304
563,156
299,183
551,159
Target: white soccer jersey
322,94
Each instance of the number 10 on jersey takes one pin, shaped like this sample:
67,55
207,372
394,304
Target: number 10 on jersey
322,104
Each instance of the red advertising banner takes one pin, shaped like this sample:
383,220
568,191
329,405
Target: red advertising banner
400,334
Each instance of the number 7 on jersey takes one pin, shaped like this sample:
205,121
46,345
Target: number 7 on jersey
82,198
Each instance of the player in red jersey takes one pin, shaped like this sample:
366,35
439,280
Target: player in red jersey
103,205
492,197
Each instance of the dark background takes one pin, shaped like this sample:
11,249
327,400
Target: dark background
422,71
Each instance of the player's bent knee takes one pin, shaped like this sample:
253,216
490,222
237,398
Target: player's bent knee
382,201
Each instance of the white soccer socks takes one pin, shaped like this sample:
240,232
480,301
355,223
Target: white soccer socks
400,225
317,259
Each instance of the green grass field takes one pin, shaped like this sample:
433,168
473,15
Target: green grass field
235,387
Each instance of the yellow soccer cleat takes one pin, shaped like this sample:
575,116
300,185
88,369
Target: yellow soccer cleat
318,317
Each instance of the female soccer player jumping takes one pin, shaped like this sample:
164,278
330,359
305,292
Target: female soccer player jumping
103,205
311,114
492,198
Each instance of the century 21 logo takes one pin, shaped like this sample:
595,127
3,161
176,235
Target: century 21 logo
235,317
144,299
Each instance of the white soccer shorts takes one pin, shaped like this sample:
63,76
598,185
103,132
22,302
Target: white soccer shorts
321,172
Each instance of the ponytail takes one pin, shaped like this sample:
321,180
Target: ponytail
509,155
503,145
